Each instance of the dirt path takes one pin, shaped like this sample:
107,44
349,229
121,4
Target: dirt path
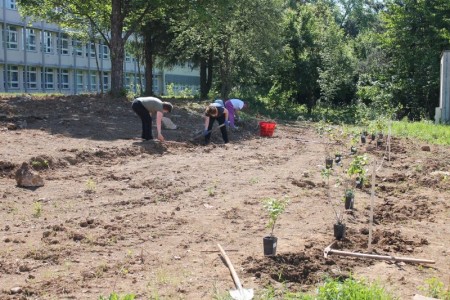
118,214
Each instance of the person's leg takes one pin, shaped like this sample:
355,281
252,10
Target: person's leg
147,127
223,129
146,120
230,108
210,126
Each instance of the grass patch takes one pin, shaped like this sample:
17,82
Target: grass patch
426,131
349,289
115,296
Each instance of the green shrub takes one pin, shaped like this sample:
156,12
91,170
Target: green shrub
349,289
436,289
115,296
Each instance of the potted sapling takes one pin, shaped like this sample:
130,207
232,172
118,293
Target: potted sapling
339,226
274,208
349,198
338,157
380,125
357,171
353,143
372,129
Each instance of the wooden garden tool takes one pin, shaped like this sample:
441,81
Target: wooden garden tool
200,133
239,293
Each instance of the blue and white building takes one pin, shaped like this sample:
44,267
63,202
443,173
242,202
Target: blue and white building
40,57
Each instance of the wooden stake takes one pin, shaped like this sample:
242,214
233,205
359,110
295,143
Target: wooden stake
372,196
380,257
328,250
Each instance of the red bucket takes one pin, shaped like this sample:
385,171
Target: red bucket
267,128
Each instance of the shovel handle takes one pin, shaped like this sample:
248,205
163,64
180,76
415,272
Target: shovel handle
236,280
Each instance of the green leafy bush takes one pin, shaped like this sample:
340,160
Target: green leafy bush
115,296
274,207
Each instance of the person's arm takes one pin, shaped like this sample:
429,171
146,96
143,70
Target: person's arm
206,123
225,112
159,116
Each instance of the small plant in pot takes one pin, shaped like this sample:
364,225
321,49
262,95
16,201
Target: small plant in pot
339,227
363,139
328,162
357,171
349,198
274,208
337,157
353,144
380,125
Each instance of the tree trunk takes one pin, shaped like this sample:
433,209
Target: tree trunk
225,73
210,71
206,75
203,79
117,47
148,61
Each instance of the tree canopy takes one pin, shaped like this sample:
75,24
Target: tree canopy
383,54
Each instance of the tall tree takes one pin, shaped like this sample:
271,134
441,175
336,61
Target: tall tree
296,76
114,21
337,77
416,33
236,37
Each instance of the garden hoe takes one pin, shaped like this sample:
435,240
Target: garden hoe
239,293
200,133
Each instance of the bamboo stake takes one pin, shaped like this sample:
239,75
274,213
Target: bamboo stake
372,196
381,257
389,140
328,250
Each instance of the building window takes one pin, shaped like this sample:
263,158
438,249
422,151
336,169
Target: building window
63,79
79,80
104,52
127,57
78,48
128,79
12,75
105,81
48,42
30,39
11,37
49,80
155,84
11,4
64,43
90,50
30,77
93,86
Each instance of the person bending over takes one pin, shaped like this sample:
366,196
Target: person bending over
145,107
220,114
233,106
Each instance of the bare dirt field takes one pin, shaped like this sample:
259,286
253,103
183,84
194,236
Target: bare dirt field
118,214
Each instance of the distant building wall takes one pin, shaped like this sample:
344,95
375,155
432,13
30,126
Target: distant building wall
41,57
443,111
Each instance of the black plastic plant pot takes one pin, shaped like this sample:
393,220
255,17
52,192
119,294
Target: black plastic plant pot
270,245
372,136
328,163
353,150
349,200
337,158
363,139
359,182
339,231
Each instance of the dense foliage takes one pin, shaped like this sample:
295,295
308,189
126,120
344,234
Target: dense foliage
318,54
